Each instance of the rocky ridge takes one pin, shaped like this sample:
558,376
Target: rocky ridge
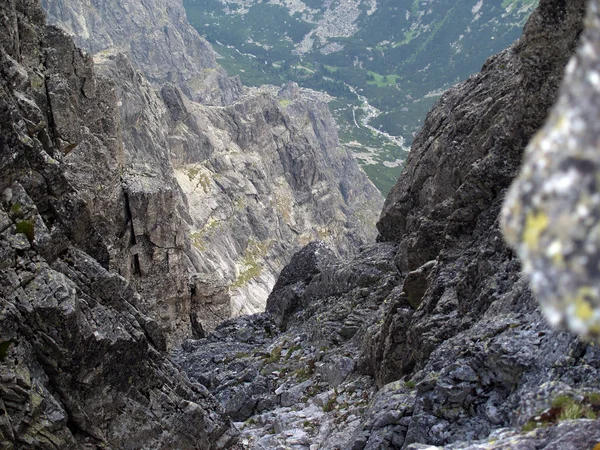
156,36
217,198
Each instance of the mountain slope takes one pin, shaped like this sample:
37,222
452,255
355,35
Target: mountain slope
439,315
217,198
157,38
386,61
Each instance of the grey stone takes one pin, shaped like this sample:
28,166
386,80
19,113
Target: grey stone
551,212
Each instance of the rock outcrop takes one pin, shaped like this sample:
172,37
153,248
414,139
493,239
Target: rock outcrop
80,358
469,333
216,198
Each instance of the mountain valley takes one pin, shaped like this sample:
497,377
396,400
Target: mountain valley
384,61
190,263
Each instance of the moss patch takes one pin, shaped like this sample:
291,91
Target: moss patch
565,407
255,251
199,175
27,227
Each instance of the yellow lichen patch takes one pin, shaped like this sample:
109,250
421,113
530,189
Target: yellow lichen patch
535,225
512,209
583,307
199,237
323,233
284,204
251,263
200,176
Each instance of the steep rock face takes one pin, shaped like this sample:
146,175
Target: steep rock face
217,199
471,144
263,184
156,36
79,360
446,204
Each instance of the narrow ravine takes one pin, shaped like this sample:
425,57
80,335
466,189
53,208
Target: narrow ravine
372,112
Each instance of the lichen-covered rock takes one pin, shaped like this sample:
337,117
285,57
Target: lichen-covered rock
552,212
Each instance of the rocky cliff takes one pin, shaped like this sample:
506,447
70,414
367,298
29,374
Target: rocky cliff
428,338
112,192
79,356
216,198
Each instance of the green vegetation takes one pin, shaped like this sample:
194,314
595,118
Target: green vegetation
27,227
198,175
566,407
410,384
330,405
274,356
199,237
252,268
381,80
303,374
15,209
399,58
4,346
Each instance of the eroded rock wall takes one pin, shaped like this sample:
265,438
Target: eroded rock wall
80,361
215,199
